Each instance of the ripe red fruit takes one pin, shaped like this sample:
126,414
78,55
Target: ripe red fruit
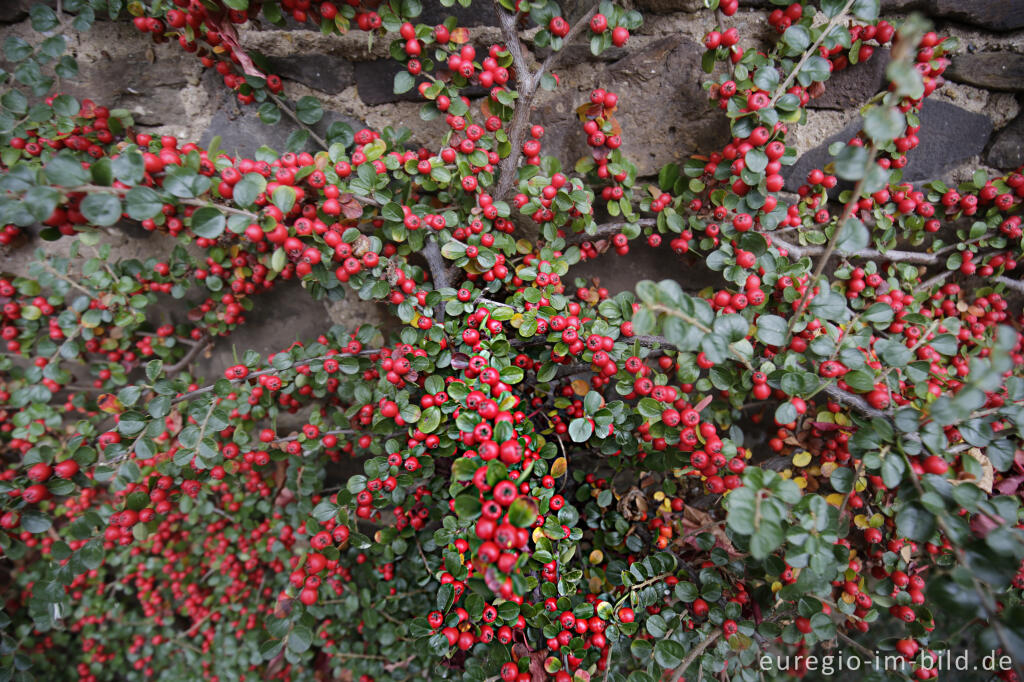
934,464
66,469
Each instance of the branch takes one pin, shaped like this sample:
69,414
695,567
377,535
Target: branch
837,394
833,242
677,675
191,355
811,51
293,116
270,370
526,84
1015,284
438,270
920,257
553,58
607,230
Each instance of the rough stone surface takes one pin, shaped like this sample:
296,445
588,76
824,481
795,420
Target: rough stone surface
991,70
242,132
618,273
477,14
119,70
853,85
669,105
664,113
375,82
669,6
322,72
13,10
996,15
948,135
1007,149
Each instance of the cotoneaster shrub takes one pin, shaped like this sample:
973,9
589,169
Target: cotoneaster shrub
822,451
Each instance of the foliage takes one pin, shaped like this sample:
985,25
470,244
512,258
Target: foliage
555,480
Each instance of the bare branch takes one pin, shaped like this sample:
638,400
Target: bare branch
607,230
920,257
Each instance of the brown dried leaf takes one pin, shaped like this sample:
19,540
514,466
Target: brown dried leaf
696,521
633,505
988,472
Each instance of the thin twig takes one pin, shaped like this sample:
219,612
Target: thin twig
607,230
694,654
283,106
811,51
832,243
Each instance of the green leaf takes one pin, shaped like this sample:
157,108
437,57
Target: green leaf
248,188
66,105
65,170
842,479
143,203
101,209
299,639
915,522
208,222
430,419
404,82
797,37
771,330
853,236
128,167
309,110
445,598
185,183
16,49
522,512
816,69
906,78
883,124
866,10
851,162
669,653
580,430
284,198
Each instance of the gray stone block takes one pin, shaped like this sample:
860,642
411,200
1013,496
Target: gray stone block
990,70
948,136
326,73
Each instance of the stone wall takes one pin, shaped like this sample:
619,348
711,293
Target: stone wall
974,121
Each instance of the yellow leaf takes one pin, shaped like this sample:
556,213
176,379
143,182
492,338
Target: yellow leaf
827,468
802,459
776,586
558,467
580,387
659,496
596,557
801,482
524,246
861,521
109,403
835,499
